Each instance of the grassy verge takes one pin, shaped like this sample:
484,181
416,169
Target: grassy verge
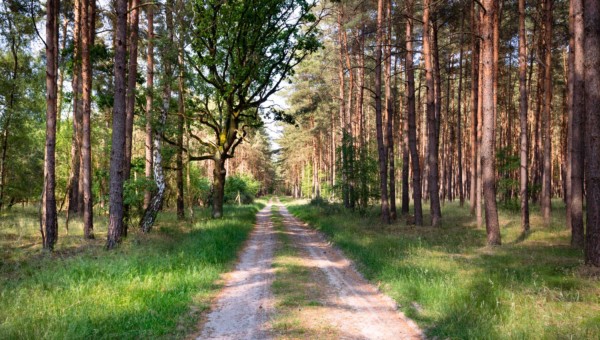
296,293
152,286
532,287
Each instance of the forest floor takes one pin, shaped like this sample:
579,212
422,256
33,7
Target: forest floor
316,292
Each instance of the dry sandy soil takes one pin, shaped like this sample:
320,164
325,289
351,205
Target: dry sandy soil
350,307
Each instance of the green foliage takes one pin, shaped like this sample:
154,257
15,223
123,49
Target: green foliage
153,287
454,287
243,185
508,187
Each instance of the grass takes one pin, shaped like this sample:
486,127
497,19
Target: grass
296,292
153,286
532,287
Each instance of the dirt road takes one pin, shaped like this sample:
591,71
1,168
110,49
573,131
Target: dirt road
351,306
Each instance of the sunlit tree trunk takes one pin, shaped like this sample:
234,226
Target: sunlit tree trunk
487,143
87,34
461,189
474,105
389,108
49,220
546,203
149,99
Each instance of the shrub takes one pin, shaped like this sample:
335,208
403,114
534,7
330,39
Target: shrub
243,185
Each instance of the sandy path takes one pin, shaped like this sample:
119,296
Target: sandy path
354,307
244,306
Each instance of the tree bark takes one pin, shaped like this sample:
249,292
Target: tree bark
389,108
219,174
381,147
546,203
523,118
49,220
487,143
474,105
149,99
87,26
180,121
592,132
117,154
461,189
411,115
578,126
432,121
156,201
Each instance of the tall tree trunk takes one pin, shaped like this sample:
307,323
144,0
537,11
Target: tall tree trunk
219,173
487,143
389,108
180,121
411,117
523,117
592,132
74,193
156,201
546,203
474,105
578,126
87,26
49,220
432,121
461,189
381,147
342,112
149,99
117,153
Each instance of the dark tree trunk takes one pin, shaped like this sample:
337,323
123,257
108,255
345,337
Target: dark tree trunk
117,154
592,132
181,113
87,30
131,83
546,203
487,143
432,121
49,220
523,117
411,115
381,147
577,127
219,174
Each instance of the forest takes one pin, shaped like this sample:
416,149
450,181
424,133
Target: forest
421,168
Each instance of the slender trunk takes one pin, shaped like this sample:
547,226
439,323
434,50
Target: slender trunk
342,112
411,117
159,178
131,83
461,190
479,182
381,147
389,108
75,195
180,121
523,117
149,99
592,133
578,126
48,219
546,203
117,155
432,122
474,105
487,144
86,155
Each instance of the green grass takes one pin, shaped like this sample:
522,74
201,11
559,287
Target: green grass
532,287
153,286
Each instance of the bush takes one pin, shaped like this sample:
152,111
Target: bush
243,185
